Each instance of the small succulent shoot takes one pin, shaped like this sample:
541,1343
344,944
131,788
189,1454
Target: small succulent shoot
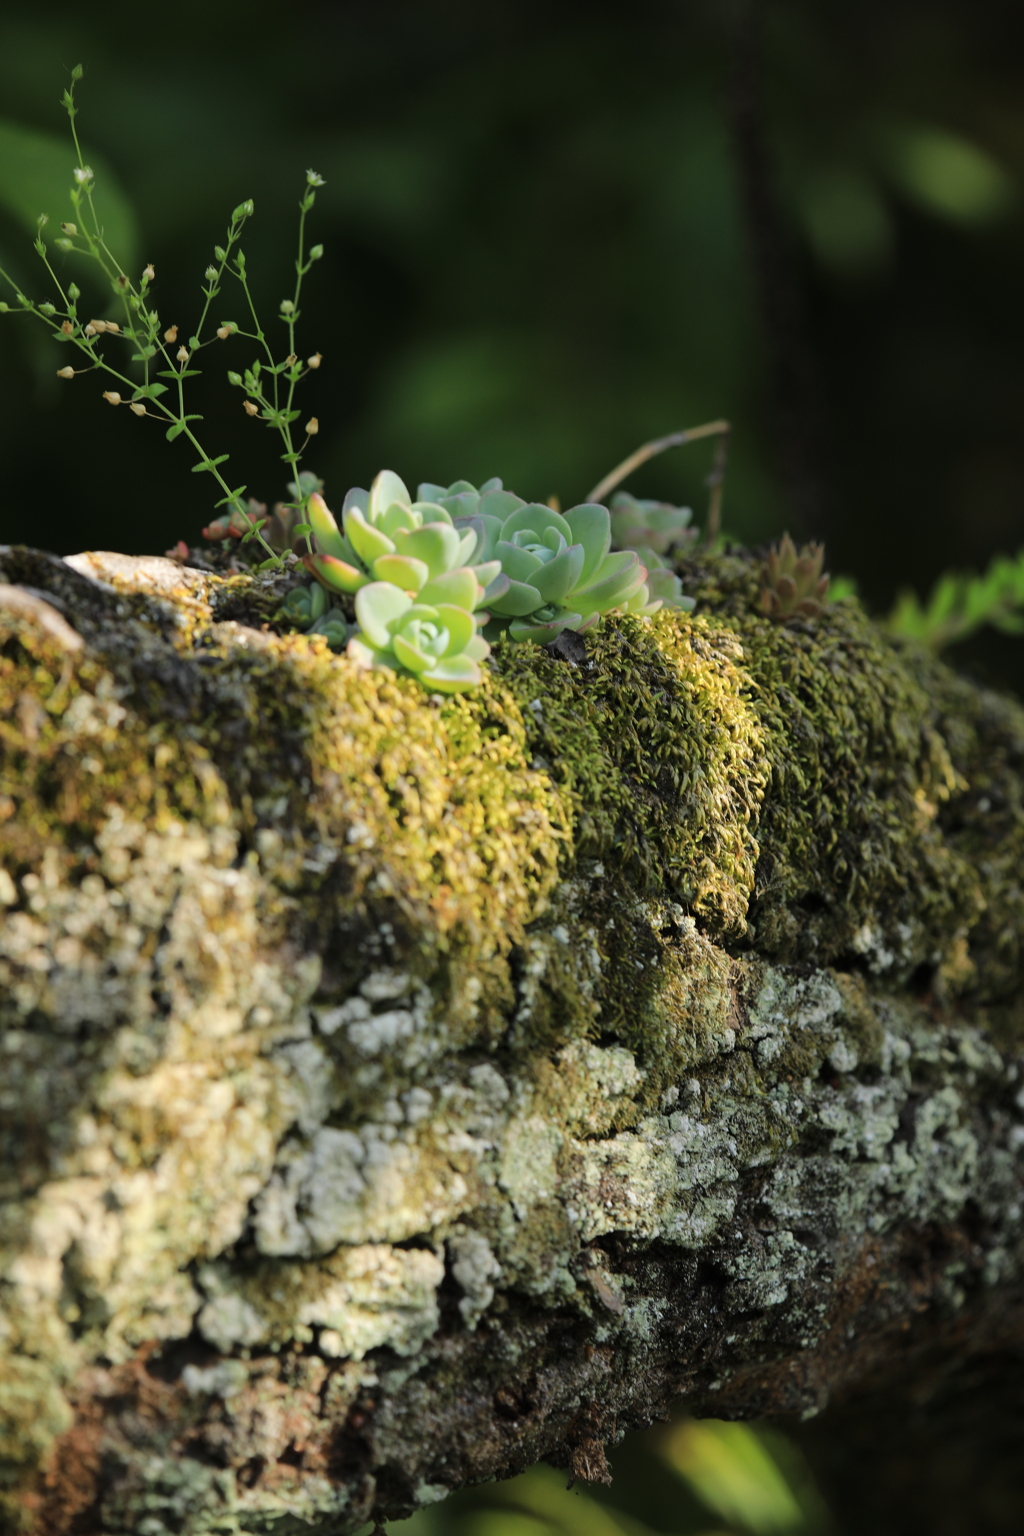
792,583
653,528
656,530
436,642
309,609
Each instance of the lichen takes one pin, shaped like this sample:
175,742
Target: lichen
422,1000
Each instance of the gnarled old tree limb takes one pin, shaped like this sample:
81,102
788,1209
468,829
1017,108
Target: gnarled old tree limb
397,1090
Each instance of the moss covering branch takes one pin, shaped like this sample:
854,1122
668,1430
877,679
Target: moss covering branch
400,1088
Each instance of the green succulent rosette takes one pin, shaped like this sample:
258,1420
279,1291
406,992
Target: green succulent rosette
654,529
385,536
309,609
562,571
435,641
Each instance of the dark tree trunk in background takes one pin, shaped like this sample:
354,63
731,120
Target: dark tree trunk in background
791,363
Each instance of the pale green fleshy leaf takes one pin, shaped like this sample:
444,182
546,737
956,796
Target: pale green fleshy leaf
329,538
436,544
477,649
378,605
535,517
559,575
520,564
459,587
402,571
499,503
387,488
461,627
368,542
590,525
338,575
411,656
454,674
520,599
397,517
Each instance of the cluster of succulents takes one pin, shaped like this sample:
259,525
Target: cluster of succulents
435,578
655,529
792,583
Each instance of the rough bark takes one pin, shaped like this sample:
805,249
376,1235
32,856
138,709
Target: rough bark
399,1090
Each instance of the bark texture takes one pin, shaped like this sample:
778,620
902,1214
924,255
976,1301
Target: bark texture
397,1090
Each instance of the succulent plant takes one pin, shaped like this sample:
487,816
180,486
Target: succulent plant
652,528
560,568
388,537
308,609
437,642
792,583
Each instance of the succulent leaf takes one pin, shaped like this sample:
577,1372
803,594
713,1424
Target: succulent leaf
590,525
337,575
520,599
386,489
437,545
328,535
459,587
378,605
402,570
366,539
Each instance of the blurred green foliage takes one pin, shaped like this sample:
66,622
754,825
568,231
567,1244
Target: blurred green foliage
691,1478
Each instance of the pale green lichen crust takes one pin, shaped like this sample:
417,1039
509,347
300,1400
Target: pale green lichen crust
346,1028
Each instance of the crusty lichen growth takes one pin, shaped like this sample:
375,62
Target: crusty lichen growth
323,999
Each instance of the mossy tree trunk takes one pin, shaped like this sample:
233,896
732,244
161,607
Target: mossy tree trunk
398,1090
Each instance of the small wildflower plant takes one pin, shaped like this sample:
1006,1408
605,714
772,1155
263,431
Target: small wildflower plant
165,356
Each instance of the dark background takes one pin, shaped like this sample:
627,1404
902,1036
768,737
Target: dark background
552,233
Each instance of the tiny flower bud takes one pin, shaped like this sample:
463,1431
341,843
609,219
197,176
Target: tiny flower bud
315,360
223,331
47,309
171,334
96,326
251,408
138,408
67,328
112,395
313,180
312,426
69,228
210,274
287,306
63,244
82,174
182,354
235,378
316,252
90,329
148,273
121,282
111,326
74,292
291,360
65,373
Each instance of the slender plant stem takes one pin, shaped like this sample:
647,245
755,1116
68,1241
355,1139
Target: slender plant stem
719,429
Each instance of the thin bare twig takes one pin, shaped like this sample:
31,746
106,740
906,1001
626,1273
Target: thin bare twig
719,429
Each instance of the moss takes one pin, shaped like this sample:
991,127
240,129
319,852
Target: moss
656,745
576,875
